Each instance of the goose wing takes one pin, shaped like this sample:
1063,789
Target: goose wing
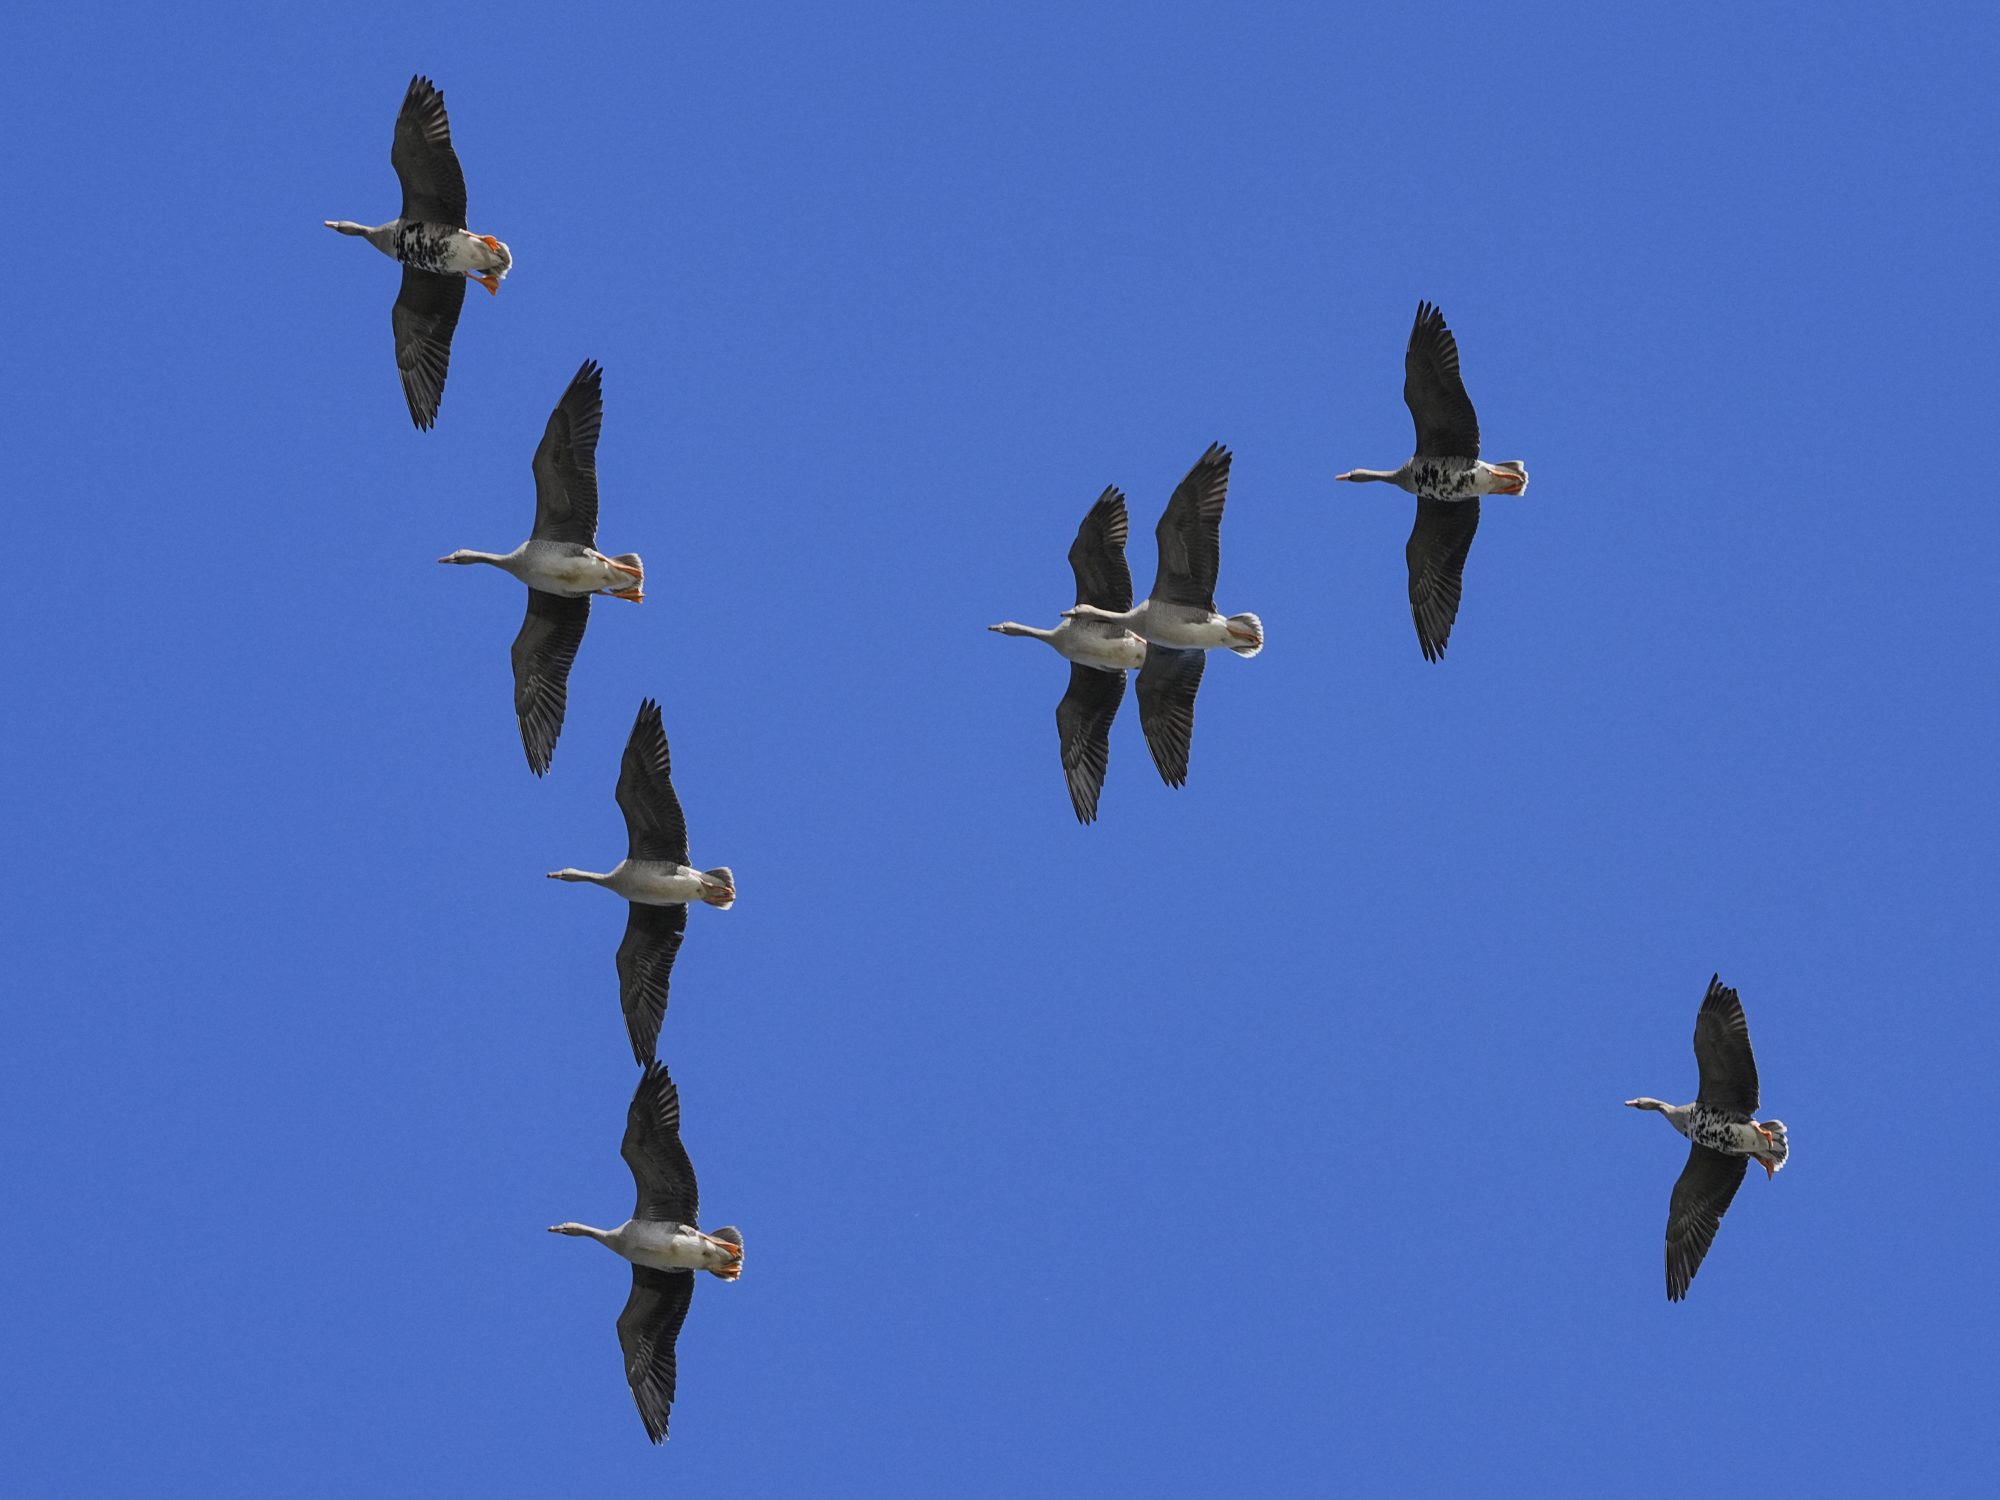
1167,685
424,317
652,1149
1436,553
1190,533
433,184
1083,725
1722,1052
543,654
647,1329
566,462
654,827
1447,426
1097,556
645,966
1701,1197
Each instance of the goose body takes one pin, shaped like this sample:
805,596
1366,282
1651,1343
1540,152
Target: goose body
1099,652
655,878
663,1242
1446,475
561,565
1724,1134
437,252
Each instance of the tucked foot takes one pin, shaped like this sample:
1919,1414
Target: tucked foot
1769,1139
1769,1170
1246,635
491,243
491,283
636,594
627,569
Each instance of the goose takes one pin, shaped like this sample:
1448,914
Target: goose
1099,654
1446,476
655,878
439,254
560,566
663,1244
1178,620
1725,1134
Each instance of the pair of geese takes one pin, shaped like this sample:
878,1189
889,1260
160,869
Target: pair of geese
1167,635
562,568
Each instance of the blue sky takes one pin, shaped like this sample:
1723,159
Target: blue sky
1267,1132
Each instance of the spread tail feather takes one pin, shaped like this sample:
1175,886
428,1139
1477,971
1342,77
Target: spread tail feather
718,887
729,1234
1255,626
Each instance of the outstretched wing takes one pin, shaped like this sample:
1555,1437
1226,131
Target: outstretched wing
1436,553
1701,1198
1097,556
1722,1052
654,827
647,1329
1167,685
1447,426
652,1149
1190,533
645,967
424,318
544,651
426,165
566,462
1083,725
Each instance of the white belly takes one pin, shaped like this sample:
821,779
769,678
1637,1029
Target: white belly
1179,625
466,251
658,884
670,1247
589,573
1100,645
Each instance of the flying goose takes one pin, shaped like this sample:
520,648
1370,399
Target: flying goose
1726,1135
1446,476
437,251
1178,619
1099,654
663,1244
655,877
560,566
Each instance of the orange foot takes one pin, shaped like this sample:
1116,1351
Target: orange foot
1243,635
627,568
491,283
1769,1139
491,243
1769,1170
636,595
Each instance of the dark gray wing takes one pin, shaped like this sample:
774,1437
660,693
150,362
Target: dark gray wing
1722,1052
654,828
566,463
1167,685
645,966
653,1150
424,317
1447,426
433,185
646,1332
1083,725
1190,533
1701,1197
543,654
1436,554
1097,556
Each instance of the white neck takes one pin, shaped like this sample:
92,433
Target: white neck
509,562
1013,627
1398,477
